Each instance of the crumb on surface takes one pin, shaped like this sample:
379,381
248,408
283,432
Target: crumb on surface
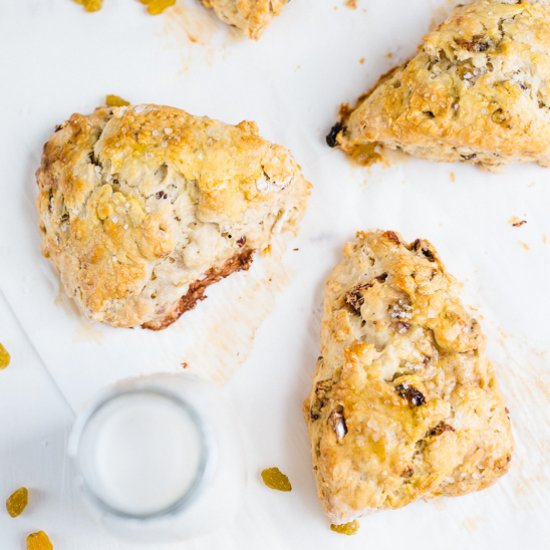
362,61
351,4
389,55
524,245
516,222
452,177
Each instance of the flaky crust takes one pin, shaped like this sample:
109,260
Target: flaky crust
251,16
478,91
404,403
142,207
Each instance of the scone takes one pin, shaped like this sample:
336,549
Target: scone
251,16
404,403
478,91
141,208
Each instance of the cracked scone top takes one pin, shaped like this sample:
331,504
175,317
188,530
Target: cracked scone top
478,90
251,16
404,403
141,208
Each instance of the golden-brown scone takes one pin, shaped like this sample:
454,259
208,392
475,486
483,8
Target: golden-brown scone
142,207
251,16
478,90
404,403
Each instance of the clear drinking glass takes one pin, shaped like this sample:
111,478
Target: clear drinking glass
159,458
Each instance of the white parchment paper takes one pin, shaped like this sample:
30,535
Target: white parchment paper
55,59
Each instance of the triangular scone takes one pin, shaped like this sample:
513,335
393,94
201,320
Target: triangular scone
404,403
251,16
143,207
478,90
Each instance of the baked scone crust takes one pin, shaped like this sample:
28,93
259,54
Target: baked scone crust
404,403
143,207
251,16
478,90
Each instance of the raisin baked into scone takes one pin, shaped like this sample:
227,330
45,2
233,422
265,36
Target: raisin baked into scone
404,403
141,208
478,90
251,16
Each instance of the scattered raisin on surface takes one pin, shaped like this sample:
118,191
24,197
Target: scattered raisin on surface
39,541
90,5
411,394
275,479
155,7
112,100
350,528
332,135
17,502
4,357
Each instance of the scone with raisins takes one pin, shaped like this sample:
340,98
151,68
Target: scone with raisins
478,91
404,404
141,208
251,16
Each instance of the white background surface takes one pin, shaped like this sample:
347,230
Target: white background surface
56,59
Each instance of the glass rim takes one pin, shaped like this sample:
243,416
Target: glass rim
190,493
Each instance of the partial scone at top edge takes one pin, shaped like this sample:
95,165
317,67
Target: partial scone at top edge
250,16
478,91
404,403
142,207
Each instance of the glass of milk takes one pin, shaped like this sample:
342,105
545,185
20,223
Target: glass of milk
159,458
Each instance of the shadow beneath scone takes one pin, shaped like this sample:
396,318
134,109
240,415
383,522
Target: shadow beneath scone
298,450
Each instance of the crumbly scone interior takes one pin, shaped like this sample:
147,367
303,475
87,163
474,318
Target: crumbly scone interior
138,203
404,402
478,90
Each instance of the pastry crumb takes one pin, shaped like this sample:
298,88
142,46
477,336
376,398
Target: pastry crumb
351,4
350,528
39,541
452,177
389,55
524,245
17,502
112,100
5,357
516,222
184,365
275,479
362,61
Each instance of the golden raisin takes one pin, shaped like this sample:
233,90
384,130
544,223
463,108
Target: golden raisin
275,479
115,101
4,357
91,5
154,7
350,528
17,502
39,541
